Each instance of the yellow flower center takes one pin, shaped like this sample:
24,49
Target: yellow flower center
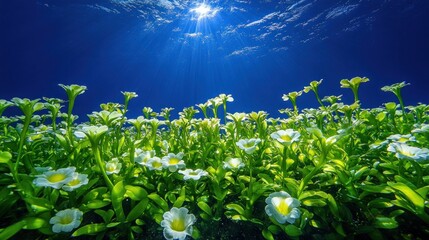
178,225
234,163
66,220
111,168
74,182
56,177
248,145
407,153
174,161
156,164
281,205
193,173
286,138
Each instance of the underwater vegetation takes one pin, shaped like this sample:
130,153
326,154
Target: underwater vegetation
336,172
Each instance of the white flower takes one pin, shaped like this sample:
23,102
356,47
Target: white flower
66,220
193,174
113,166
90,130
77,181
177,223
55,179
154,163
286,137
173,161
282,207
403,151
94,130
248,145
237,117
424,128
42,169
226,98
143,156
233,163
401,138
79,134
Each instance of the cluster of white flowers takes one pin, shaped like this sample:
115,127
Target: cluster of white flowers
65,178
217,101
171,161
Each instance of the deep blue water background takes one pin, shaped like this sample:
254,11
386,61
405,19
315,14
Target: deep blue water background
44,43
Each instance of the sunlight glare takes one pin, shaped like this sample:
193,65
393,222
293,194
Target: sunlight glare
204,11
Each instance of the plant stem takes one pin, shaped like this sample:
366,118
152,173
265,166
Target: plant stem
97,157
27,122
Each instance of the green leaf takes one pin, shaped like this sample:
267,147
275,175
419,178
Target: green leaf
267,234
339,229
381,116
179,201
266,178
410,195
159,201
385,222
96,204
106,215
396,213
94,194
375,188
135,193
232,206
317,202
113,224
238,217
195,233
118,193
39,204
244,178
316,224
380,203
333,206
138,210
5,157
136,229
423,191
293,230
313,194
206,216
274,229
35,223
361,171
90,229
206,208
11,230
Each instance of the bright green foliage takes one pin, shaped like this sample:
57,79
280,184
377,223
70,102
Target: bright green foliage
355,171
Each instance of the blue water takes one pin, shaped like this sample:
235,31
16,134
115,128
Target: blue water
254,50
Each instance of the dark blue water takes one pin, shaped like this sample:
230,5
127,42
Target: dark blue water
254,50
